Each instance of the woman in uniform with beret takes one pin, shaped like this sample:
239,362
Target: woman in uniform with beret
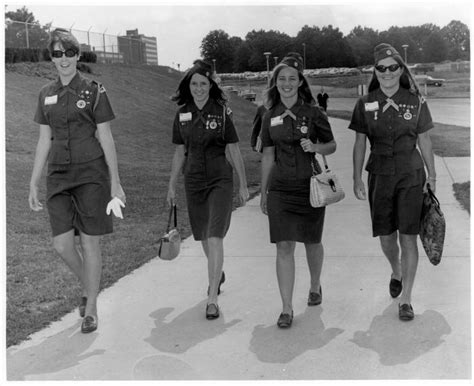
204,133
293,130
395,118
74,115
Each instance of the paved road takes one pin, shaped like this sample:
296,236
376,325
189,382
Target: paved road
152,324
454,111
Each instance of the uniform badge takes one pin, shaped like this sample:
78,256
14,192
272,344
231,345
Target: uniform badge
81,103
184,117
213,124
304,129
51,100
275,121
372,106
375,116
407,115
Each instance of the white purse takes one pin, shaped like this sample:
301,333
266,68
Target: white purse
325,188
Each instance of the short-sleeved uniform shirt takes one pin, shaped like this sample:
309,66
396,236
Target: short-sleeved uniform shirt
208,175
396,169
290,214
78,185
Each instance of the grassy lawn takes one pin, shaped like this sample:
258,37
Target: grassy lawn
40,289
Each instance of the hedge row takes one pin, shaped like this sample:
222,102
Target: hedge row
16,55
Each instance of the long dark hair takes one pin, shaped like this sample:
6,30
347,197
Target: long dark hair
183,93
407,80
272,96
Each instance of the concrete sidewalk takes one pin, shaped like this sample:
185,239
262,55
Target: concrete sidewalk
152,324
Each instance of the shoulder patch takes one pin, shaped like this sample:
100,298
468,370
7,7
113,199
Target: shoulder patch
229,111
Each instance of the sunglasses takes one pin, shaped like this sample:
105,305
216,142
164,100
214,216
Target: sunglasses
391,68
70,53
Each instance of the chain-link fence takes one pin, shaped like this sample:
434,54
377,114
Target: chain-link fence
108,48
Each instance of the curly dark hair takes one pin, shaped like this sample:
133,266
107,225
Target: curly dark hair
272,96
183,95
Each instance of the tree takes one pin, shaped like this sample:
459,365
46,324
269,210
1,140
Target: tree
22,30
362,40
436,49
261,41
457,37
218,46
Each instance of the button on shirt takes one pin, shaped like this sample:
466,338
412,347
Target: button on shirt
205,134
392,134
73,112
285,135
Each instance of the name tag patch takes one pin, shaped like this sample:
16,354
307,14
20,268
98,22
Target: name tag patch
373,106
51,100
275,121
185,117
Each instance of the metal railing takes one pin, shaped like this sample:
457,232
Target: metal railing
108,48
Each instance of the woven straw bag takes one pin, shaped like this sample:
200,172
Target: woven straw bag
325,188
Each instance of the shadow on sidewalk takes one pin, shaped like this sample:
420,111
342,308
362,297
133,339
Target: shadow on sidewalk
56,353
186,330
275,345
399,342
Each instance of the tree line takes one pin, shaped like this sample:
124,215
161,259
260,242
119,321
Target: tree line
327,46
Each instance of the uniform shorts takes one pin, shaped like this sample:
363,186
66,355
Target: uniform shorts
396,202
77,198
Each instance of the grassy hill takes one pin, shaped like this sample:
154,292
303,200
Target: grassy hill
40,288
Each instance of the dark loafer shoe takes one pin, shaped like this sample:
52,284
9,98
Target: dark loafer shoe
220,283
212,311
82,307
405,312
89,324
314,298
395,287
285,320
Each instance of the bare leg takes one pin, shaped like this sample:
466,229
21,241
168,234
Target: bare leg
215,261
93,270
392,253
409,265
66,247
285,267
315,257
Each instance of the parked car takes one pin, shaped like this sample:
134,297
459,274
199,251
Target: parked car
422,68
249,95
429,80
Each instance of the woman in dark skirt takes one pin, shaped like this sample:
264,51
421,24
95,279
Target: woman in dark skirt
74,115
293,130
203,133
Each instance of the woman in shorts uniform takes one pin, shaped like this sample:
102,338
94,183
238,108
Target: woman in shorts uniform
395,118
203,133
74,115
293,130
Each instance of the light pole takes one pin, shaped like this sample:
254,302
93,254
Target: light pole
275,58
405,46
214,63
304,56
267,54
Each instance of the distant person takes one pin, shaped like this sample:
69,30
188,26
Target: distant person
395,118
293,130
255,138
74,115
322,98
203,131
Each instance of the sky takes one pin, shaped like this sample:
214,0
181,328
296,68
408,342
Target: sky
180,27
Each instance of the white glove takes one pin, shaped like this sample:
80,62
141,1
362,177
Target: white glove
114,206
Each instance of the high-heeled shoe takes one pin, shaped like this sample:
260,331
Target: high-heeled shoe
220,283
89,324
82,306
212,311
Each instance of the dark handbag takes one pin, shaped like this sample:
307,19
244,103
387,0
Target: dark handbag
432,228
170,242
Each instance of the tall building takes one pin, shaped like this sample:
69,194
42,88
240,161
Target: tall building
138,48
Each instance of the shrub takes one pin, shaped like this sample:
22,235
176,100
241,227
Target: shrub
16,55
88,57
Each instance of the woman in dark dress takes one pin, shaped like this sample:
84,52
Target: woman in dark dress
395,118
293,130
203,133
74,115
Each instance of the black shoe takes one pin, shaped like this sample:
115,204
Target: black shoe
405,312
314,298
395,287
285,320
89,324
82,307
220,283
212,311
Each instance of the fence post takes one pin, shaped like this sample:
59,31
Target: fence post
27,36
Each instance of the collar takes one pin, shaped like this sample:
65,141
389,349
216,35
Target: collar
281,109
73,84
